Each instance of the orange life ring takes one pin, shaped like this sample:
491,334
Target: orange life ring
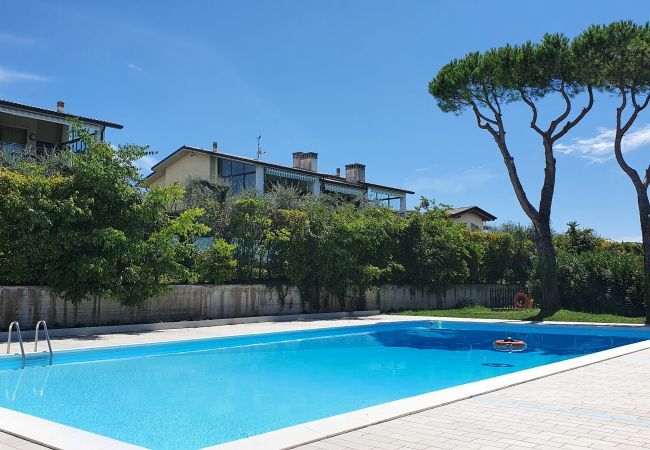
509,345
522,301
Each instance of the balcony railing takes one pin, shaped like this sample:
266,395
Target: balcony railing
43,148
77,145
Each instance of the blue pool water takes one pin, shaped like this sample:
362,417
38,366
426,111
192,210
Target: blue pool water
188,395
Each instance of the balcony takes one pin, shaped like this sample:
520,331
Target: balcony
42,148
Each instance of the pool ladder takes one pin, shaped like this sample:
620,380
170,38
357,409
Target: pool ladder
20,339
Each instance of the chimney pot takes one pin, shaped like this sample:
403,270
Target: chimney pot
215,147
338,171
60,106
305,161
355,173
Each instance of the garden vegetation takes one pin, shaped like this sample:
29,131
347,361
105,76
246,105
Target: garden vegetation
81,224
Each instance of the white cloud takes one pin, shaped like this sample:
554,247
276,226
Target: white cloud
600,148
8,76
451,183
13,39
136,68
145,163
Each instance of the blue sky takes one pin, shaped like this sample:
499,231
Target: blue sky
347,79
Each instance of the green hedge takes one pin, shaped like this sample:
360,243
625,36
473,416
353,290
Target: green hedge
80,224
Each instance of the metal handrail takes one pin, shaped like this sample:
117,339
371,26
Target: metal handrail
20,339
47,337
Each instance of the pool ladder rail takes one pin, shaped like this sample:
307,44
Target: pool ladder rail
20,339
47,338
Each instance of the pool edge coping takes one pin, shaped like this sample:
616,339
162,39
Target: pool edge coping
58,436
55,435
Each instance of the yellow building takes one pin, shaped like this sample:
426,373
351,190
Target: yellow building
248,173
472,216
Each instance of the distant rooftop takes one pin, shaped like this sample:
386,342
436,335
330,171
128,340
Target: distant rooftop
328,177
58,114
457,212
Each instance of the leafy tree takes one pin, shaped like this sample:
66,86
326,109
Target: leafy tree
355,251
200,191
602,281
484,82
619,57
433,250
249,226
578,240
217,265
78,223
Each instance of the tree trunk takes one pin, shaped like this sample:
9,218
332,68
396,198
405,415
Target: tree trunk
644,216
547,270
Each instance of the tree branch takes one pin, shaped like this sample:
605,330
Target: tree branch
635,112
572,123
496,100
565,114
484,126
500,138
621,108
533,108
621,129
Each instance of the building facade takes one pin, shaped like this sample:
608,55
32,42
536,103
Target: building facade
471,216
248,173
25,128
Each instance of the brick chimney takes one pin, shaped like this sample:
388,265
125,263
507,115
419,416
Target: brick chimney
306,161
60,106
355,173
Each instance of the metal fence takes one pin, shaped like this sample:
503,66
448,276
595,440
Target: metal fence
502,298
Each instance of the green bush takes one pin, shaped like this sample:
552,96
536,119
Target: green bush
433,250
79,224
216,265
602,281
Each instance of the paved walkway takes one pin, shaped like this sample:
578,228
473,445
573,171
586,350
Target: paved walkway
602,406
605,405
8,442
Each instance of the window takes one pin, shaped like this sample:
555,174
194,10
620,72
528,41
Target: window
241,175
13,139
384,199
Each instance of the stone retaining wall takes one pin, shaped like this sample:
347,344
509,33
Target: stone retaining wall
28,304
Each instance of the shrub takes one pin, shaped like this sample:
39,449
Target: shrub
216,265
433,250
601,281
78,223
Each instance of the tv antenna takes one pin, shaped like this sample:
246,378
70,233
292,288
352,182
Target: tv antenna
260,152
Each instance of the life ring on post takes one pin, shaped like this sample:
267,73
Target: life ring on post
522,301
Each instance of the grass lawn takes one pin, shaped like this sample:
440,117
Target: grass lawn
481,312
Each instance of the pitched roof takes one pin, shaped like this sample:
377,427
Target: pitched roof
54,113
457,212
325,176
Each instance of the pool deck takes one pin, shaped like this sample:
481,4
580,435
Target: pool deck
599,406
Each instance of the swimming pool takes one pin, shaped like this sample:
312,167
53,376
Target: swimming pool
194,394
